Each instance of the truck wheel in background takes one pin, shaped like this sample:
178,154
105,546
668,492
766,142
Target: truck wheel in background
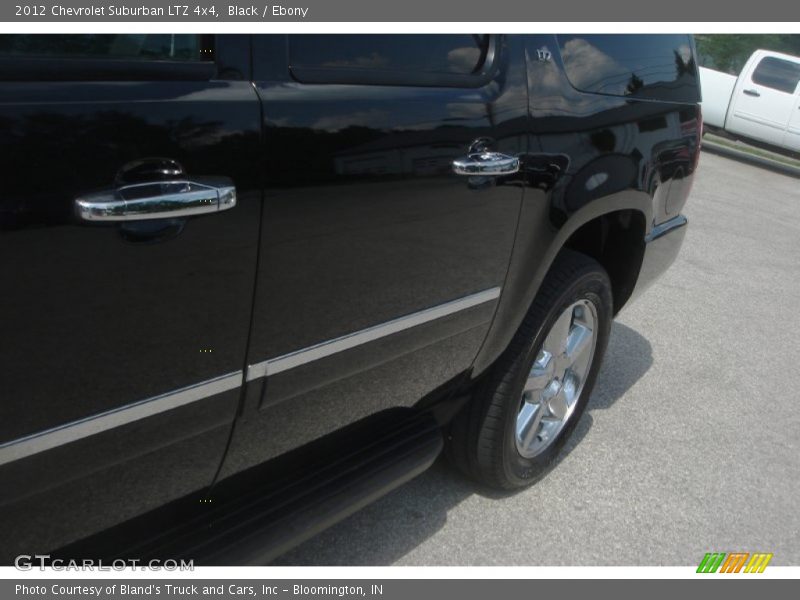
521,415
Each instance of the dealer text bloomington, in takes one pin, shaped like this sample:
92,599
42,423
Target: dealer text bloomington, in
177,10
155,589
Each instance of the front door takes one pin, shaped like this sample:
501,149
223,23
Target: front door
765,100
128,234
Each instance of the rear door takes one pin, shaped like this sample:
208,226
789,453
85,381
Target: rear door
128,269
380,268
792,138
764,99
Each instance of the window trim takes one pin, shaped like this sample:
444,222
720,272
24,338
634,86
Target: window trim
102,69
45,68
360,76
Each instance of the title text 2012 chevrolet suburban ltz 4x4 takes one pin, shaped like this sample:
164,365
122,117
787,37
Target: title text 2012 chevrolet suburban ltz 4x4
251,283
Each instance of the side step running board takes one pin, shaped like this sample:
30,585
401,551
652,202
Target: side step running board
258,515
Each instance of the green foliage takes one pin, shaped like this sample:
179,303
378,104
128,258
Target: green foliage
729,52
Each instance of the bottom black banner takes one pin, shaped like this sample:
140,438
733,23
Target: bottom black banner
389,589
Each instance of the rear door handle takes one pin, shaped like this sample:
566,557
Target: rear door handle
752,93
486,163
157,200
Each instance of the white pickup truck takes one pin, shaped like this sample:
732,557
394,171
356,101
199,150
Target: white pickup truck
762,104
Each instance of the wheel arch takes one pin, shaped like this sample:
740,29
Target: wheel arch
616,240
612,230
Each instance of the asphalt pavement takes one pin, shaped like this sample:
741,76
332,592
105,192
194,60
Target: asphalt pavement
690,442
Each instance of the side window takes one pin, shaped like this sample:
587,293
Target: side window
778,74
658,67
111,46
448,60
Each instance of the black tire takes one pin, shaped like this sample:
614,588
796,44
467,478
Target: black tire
481,440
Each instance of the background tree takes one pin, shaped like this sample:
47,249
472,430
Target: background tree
729,52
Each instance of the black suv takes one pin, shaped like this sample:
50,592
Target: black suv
251,283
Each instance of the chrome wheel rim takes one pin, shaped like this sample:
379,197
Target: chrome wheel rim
556,379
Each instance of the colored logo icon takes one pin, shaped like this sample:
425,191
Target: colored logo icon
734,562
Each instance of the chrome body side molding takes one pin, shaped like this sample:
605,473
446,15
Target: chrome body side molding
76,430
82,428
370,334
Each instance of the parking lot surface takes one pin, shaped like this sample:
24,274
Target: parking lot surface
690,441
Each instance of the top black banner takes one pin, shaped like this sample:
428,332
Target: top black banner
211,11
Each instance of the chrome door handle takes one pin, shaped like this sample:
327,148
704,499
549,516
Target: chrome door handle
486,163
752,93
157,200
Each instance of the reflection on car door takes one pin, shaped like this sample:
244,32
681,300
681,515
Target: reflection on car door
380,268
123,337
